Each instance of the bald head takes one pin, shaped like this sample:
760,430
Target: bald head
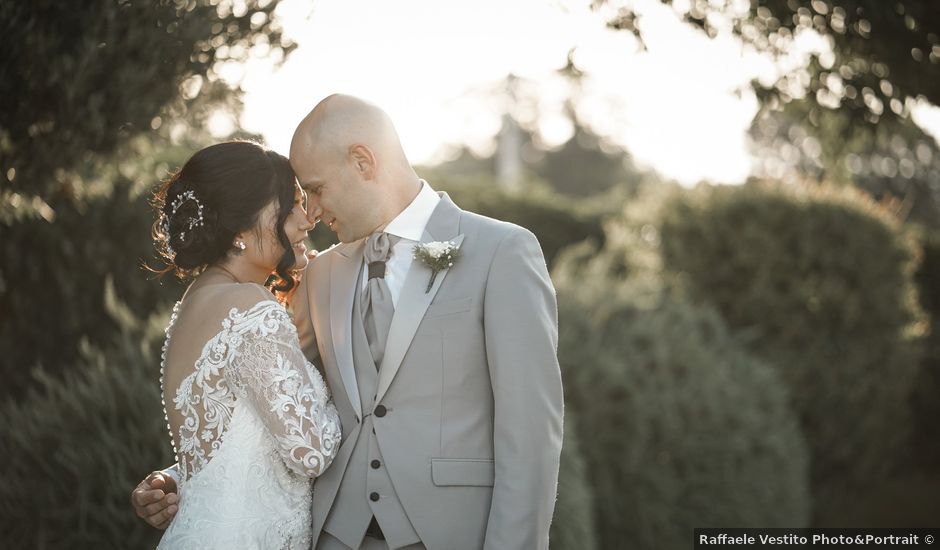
347,155
342,121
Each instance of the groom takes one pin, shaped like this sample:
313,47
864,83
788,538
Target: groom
446,381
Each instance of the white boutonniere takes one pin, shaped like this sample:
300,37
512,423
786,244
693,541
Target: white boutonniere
437,255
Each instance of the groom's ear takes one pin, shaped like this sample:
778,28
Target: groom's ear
363,161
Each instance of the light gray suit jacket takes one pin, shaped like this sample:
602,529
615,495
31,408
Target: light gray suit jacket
470,382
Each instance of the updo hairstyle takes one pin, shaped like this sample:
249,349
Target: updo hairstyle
218,193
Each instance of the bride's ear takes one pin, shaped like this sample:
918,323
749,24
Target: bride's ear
238,244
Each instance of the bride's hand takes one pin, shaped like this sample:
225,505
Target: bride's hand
155,499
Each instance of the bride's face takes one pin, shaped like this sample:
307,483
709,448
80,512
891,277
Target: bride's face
263,247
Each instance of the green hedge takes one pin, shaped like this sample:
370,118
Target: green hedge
51,282
927,386
680,427
820,282
573,523
76,446
554,219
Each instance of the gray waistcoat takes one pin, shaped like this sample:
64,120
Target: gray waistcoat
353,507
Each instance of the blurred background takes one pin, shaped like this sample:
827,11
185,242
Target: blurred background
739,202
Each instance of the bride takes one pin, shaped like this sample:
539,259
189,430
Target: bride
249,418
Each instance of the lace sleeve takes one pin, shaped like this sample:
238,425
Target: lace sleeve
270,371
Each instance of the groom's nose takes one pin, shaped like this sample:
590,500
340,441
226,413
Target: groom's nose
313,211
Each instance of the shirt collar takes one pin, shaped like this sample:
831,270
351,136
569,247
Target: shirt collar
410,223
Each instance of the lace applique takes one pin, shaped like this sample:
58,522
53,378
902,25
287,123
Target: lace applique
256,357
256,423
271,372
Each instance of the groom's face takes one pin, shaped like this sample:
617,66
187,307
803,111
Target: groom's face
337,194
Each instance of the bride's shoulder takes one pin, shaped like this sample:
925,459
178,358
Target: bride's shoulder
231,300
245,295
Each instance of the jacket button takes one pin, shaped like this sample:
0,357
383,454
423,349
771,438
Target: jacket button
380,411
374,497
375,464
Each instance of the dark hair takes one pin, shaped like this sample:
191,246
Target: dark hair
232,182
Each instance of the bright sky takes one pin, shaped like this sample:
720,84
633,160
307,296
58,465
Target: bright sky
438,68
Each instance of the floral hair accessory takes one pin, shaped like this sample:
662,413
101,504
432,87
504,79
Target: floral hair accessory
193,222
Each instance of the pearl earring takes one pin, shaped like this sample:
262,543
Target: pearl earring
240,247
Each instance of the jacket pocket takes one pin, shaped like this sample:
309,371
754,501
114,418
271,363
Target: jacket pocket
446,308
474,472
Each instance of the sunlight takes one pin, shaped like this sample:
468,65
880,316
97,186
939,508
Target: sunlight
682,108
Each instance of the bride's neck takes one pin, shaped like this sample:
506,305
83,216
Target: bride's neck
240,271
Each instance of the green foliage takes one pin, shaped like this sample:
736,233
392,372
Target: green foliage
53,282
82,141
79,79
682,428
820,282
894,160
845,116
74,448
880,50
549,216
926,404
584,166
573,524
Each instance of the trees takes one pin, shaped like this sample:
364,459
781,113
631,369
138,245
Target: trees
683,427
846,115
821,281
99,100
79,80
882,53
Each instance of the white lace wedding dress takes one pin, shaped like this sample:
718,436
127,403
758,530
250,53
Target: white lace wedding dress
255,425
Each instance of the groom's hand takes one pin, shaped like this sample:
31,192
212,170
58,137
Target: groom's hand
155,499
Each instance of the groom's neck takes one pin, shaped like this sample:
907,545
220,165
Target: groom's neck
404,194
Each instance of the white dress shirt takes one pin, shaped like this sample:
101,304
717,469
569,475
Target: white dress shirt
409,225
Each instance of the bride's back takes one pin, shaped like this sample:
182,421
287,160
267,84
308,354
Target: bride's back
197,350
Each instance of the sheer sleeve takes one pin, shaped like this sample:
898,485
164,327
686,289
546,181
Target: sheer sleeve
289,395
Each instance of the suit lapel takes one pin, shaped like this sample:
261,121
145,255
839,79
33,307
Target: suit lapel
344,273
413,301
